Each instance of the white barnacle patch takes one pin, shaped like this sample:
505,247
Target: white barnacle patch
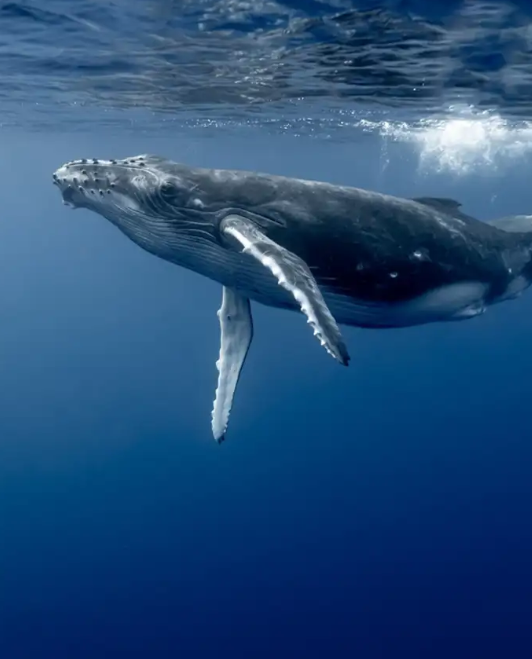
393,275
197,203
420,254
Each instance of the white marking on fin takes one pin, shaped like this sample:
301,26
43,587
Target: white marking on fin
236,326
293,274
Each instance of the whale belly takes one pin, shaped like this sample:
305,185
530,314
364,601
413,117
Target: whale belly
456,301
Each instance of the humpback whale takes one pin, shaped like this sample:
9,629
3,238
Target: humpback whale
340,255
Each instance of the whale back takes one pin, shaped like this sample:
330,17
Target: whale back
378,247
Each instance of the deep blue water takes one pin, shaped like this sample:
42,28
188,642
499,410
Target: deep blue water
381,511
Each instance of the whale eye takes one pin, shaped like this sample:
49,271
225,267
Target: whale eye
171,192
169,189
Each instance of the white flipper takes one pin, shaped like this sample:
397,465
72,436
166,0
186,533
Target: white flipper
294,275
236,327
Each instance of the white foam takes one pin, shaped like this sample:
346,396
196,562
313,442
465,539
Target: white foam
468,140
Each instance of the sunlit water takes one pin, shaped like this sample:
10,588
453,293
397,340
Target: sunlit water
379,511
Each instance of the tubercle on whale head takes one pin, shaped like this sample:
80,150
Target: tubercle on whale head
82,181
141,182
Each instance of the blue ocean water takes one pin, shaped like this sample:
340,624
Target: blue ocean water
381,511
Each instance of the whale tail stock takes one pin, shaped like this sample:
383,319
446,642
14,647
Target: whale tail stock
513,223
517,224
522,226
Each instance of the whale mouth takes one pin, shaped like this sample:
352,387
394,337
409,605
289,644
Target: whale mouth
68,193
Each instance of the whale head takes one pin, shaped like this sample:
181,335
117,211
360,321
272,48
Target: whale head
151,199
139,185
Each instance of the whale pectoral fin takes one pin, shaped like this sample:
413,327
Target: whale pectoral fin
236,325
293,274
